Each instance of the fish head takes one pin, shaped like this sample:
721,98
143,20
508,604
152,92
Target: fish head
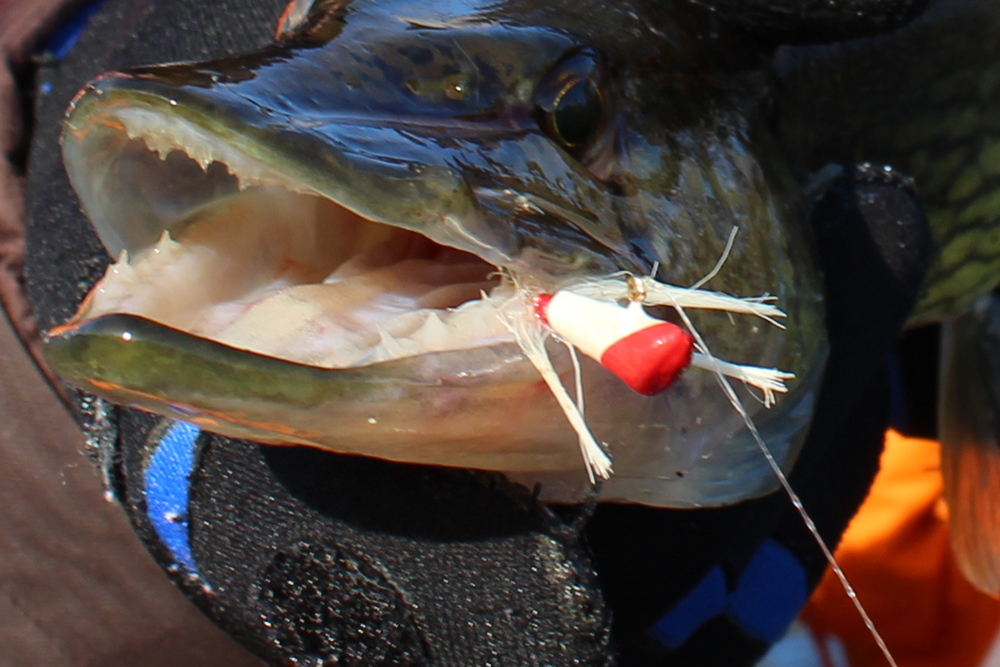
312,240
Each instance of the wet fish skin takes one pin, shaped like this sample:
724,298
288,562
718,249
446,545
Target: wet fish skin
354,110
922,100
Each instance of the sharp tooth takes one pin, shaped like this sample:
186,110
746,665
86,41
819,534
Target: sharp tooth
432,333
152,143
392,346
243,180
164,136
121,269
165,245
159,145
200,155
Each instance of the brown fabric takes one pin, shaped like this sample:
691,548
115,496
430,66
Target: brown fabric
76,587
22,25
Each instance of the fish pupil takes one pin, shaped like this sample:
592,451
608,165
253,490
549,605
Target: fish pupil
578,113
570,102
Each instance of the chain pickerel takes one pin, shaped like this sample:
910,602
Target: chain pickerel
312,241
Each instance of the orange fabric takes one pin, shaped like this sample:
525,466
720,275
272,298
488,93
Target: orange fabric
897,556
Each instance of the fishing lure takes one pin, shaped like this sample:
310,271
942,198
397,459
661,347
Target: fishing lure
646,353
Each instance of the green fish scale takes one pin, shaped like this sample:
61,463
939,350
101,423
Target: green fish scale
925,101
958,172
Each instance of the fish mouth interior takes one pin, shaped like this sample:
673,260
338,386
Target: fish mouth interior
238,254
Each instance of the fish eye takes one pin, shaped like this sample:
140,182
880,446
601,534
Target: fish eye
577,113
571,102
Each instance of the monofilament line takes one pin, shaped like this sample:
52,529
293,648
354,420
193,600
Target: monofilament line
727,388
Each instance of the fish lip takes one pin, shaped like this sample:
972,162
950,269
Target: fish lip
254,396
145,391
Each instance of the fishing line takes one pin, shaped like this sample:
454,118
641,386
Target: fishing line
730,393
521,315
796,501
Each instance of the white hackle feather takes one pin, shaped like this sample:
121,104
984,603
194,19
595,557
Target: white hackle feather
518,316
616,288
718,264
768,380
577,375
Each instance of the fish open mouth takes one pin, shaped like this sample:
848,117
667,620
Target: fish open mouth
215,243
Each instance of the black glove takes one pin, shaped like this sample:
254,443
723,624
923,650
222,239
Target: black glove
311,558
